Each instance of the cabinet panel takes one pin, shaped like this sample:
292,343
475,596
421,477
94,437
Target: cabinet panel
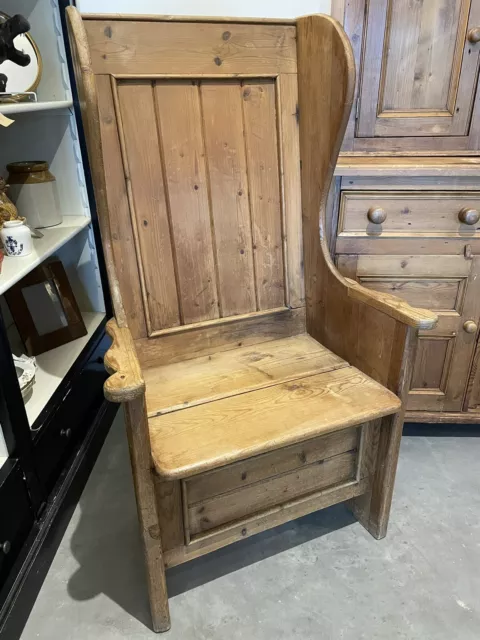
472,401
421,54
445,284
434,355
420,69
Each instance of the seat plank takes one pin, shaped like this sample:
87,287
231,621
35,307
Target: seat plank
211,435
185,384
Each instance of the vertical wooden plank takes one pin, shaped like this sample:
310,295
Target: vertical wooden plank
332,209
169,505
474,137
123,245
465,343
439,55
372,66
353,23
367,455
180,126
227,175
140,457
402,69
263,174
288,112
467,78
472,397
144,171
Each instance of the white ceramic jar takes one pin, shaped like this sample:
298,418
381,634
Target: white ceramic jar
16,238
33,189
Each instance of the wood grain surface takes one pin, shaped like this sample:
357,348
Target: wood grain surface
220,375
179,47
205,437
247,472
125,382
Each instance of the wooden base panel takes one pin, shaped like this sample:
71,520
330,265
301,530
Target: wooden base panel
267,520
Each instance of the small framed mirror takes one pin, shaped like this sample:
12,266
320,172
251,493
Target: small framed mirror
44,309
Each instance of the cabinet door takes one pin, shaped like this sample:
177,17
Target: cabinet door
448,286
420,68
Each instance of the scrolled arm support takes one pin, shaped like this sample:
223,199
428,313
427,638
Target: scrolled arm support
125,382
392,306
373,331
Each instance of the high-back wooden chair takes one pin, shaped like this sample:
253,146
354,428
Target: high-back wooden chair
259,384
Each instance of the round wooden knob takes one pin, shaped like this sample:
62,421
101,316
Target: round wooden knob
377,215
468,216
66,433
470,326
474,35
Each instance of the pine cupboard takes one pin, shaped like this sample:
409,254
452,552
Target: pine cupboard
417,66
405,205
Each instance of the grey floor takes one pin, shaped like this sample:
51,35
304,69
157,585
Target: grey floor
320,577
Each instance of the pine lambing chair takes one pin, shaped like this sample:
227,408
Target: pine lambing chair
259,384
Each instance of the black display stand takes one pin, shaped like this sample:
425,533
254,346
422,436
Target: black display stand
42,480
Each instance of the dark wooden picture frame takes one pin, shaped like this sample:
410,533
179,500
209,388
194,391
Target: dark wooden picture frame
35,342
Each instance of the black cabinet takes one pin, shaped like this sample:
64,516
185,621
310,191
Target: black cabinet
82,395
51,449
16,515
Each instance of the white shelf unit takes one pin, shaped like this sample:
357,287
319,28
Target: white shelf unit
53,365
46,130
30,107
44,18
14,269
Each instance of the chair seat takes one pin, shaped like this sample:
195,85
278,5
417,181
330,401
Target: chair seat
211,411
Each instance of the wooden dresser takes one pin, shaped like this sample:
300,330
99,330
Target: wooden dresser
405,204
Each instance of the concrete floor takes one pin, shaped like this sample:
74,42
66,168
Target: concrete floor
322,576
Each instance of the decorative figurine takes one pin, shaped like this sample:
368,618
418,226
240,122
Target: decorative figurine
8,211
9,30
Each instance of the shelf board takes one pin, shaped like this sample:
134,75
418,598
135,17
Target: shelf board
14,269
53,365
31,107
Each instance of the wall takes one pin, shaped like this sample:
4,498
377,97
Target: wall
248,8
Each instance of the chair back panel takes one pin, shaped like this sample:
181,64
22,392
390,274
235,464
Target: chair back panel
202,170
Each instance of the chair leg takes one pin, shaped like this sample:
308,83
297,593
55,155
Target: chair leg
140,456
372,509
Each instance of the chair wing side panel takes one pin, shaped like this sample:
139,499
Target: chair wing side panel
360,326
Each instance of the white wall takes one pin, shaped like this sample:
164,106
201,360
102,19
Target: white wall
234,8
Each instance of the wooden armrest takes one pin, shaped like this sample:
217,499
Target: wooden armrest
126,382
392,306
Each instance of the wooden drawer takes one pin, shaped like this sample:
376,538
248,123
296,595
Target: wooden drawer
407,214
240,490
